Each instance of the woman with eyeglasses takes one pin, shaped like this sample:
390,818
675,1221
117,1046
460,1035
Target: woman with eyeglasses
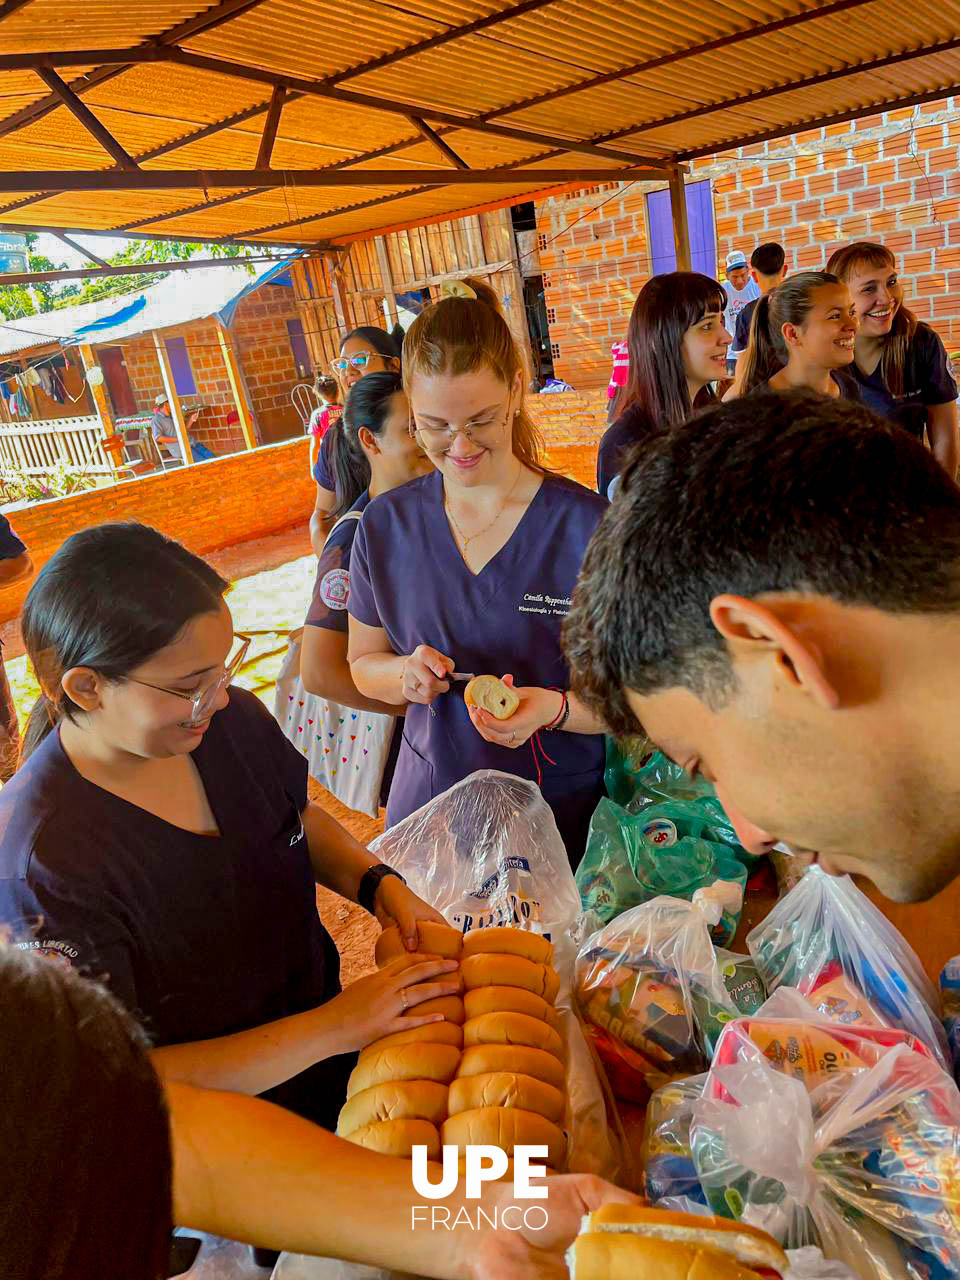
158,835
470,570
364,350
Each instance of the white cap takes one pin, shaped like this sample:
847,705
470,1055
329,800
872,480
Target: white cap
162,398
736,259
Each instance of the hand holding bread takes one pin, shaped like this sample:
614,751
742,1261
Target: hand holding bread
389,1001
534,709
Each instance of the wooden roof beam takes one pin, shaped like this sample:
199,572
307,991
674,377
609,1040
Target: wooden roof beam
107,271
434,138
78,248
272,179
11,6
44,229
86,117
270,127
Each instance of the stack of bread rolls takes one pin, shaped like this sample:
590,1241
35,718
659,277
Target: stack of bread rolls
508,1090
491,1073
397,1095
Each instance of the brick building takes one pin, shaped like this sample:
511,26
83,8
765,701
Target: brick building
893,177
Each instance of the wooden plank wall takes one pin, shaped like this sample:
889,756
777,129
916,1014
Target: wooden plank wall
419,258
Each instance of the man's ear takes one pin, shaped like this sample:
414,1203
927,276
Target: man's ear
745,622
83,687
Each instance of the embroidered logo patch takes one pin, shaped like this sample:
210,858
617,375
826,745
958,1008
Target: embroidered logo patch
335,588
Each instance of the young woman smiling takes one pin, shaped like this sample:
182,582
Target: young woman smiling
802,335
677,346
471,569
900,363
364,350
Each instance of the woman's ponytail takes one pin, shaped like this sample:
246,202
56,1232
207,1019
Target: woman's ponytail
765,353
41,722
351,469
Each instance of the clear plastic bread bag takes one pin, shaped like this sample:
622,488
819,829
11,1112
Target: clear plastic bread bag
829,941
488,852
651,993
848,1139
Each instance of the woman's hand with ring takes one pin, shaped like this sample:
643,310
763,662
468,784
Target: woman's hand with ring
424,675
538,708
386,1001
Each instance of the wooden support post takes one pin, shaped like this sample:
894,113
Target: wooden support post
238,387
681,228
341,303
517,311
101,401
173,400
386,279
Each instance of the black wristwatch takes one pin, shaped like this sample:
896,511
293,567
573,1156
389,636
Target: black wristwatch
370,883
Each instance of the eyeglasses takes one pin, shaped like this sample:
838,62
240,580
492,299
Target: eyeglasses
204,701
434,438
359,361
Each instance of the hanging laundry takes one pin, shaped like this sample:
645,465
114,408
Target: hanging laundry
31,376
45,375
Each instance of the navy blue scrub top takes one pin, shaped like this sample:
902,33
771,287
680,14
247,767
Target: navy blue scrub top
322,468
407,576
927,381
199,936
331,587
10,544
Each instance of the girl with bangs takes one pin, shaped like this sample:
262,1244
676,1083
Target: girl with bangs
899,362
678,347
471,570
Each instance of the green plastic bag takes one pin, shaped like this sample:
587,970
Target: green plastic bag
665,849
637,776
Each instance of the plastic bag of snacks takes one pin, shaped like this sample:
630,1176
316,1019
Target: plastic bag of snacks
637,775
848,1139
950,996
669,1173
652,995
829,941
487,852
666,849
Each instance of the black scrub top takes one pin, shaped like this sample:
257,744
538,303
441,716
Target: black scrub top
199,936
927,381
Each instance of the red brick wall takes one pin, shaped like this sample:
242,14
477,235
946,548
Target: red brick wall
571,423
208,506
892,178
263,342
592,272
209,373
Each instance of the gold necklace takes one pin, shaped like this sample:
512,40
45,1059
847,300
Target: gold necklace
464,540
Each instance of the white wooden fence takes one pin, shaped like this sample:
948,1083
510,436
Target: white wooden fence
37,448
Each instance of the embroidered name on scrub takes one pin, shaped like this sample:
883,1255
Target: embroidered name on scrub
555,606
335,588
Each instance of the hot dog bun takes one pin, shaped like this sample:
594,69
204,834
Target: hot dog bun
408,1100
484,1059
489,693
506,1128
389,946
502,940
512,1028
505,1089
450,1006
509,1000
429,1033
416,1061
398,1137
605,1256
487,970
439,940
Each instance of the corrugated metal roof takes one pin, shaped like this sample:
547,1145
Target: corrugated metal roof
655,79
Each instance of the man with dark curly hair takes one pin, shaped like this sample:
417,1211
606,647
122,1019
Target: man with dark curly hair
774,597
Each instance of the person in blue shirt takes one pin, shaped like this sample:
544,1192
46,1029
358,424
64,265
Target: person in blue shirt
678,348
899,362
802,336
363,351
372,453
159,835
15,565
471,569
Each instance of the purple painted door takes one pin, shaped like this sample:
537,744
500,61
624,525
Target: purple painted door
703,244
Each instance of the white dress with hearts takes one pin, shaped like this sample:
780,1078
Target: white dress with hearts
346,750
